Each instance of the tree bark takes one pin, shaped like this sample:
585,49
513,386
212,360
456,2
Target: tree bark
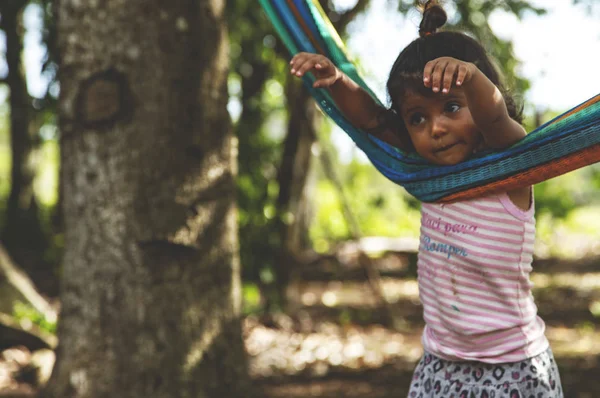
150,289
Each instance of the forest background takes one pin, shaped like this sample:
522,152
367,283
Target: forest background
311,212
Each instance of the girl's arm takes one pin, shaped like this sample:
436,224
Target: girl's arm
352,100
485,100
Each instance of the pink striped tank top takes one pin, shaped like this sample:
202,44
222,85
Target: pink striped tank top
473,269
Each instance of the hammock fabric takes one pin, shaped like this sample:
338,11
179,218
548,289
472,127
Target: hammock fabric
566,143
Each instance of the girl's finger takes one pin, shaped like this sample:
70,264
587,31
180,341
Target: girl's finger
324,64
303,66
299,60
461,75
298,57
427,72
448,78
294,63
326,82
437,75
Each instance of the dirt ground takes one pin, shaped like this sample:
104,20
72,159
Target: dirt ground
337,340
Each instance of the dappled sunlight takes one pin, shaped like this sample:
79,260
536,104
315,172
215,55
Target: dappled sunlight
396,290
577,234
199,347
335,348
569,303
46,181
360,294
574,342
357,294
278,352
584,282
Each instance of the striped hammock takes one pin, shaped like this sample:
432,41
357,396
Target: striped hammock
566,143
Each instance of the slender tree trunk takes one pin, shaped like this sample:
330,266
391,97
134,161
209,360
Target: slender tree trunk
22,233
150,290
296,162
247,131
293,172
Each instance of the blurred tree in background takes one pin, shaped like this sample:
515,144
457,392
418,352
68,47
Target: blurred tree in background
274,155
26,229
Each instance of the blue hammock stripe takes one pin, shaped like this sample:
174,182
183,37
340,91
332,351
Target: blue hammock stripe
567,135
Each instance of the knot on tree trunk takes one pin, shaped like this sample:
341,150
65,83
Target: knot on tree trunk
104,99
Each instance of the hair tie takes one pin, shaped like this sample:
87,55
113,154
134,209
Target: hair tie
430,4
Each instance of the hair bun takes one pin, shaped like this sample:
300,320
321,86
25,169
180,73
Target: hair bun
434,17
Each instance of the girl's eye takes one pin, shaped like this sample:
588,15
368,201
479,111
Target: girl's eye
416,118
452,107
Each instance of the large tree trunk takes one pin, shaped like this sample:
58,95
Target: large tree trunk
22,233
150,290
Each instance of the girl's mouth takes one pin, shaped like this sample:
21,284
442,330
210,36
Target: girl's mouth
444,148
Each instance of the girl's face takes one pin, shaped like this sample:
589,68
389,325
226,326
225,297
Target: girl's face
440,126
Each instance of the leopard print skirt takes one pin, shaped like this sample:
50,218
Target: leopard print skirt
535,377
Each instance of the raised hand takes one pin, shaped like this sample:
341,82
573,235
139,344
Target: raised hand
441,73
323,69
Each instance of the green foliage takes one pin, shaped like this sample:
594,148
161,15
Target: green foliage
256,87
380,207
5,156
559,196
252,298
46,183
595,309
572,235
26,313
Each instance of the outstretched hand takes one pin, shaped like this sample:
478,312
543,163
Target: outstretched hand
441,73
323,69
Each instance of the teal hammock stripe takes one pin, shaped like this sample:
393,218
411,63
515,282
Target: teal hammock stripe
564,137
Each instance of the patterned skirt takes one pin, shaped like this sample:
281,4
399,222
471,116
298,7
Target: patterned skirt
535,377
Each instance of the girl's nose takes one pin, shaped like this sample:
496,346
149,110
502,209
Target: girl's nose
438,127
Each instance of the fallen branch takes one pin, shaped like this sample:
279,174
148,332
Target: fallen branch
14,333
20,281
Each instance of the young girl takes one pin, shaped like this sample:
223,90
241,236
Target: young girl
482,337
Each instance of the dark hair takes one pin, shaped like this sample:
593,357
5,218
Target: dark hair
407,71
